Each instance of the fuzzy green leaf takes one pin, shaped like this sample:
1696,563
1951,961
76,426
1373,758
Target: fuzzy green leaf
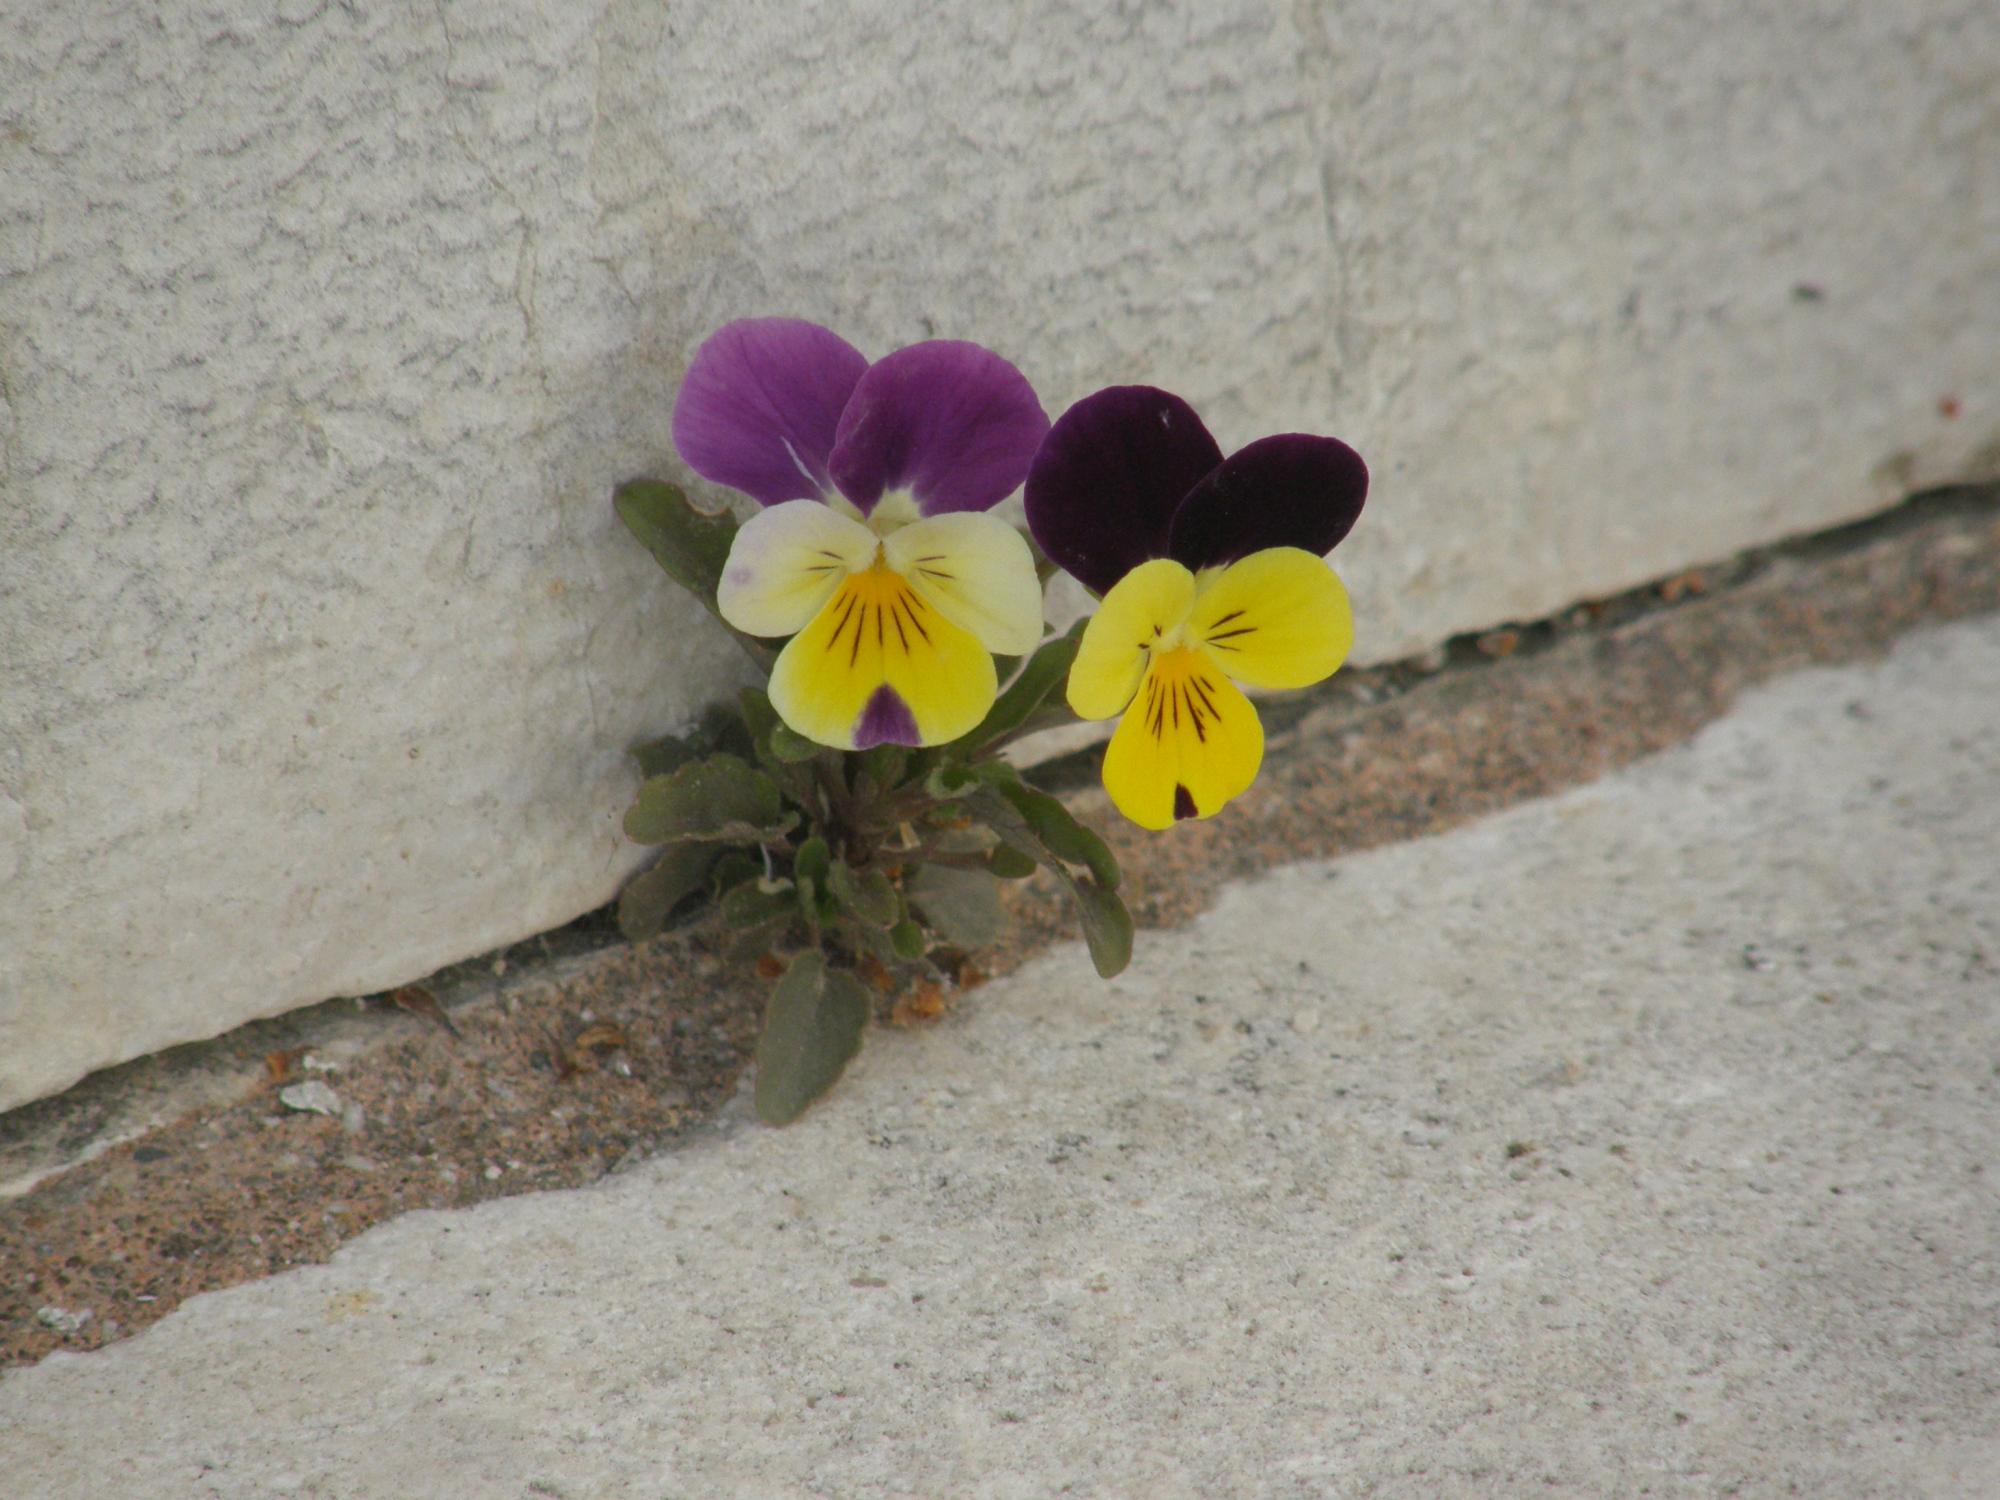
869,896
1010,863
908,939
648,897
755,902
719,798
665,755
812,860
748,944
809,868
1107,926
690,544
791,747
1029,690
812,1029
1060,832
732,868
960,906
884,764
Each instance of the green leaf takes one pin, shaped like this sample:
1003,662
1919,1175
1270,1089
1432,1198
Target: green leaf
748,944
732,869
720,798
869,896
809,868
1044,671
812,1029
1107,926
755,902
960,906
812,860
1010,863
758,717
950,779
884,764
666,754
791,747
1064,837
908,939
690,544
648,897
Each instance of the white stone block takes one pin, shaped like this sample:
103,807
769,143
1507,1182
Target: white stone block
325,329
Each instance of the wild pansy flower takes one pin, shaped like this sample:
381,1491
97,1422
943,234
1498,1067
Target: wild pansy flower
1212,574
873,552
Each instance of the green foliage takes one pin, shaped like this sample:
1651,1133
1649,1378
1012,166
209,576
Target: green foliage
960,906
868,858
1010,863
1015,709
644,904
755,903
812,1029
792,747
907,937
810,866
868,895
1060,833
1107,926
719,799
692,545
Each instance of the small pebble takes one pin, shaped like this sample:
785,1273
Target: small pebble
313,1097
62,1319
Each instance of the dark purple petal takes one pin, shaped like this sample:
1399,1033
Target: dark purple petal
760,405
952,423
1286,491
886,720
1111,473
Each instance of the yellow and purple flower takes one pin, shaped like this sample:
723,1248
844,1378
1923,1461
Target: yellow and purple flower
1212,574
874,552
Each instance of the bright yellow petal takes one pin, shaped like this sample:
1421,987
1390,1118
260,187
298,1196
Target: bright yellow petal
1277,619
1144,606
976,571
1189,743
878,665
785,564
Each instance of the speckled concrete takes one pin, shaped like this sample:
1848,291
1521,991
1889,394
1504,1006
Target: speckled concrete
1639,1140
326,328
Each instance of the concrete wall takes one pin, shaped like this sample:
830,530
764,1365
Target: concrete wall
325,329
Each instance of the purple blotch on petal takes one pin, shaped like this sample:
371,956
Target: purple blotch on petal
1292,490
1112,471
760,406
952,423
886,720
1183,802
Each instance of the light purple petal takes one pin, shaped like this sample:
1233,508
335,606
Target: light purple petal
1103,490
1286,491
952,423
760,405
886,720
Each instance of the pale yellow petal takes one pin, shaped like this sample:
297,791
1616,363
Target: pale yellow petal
1189,742
878,665
1143,607
976,571
786,562
1276,619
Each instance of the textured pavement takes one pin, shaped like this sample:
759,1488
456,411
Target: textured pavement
1641,1140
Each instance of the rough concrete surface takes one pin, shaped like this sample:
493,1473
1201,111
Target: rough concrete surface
326,328
1636,1141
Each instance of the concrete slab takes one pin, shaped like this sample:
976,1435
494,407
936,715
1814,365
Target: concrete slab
325,330
1639,1140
